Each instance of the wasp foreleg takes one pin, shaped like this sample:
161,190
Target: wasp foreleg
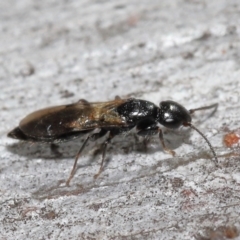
148,128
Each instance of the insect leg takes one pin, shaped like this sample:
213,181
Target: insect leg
54,148
149,127
168,150
83,101
76,159
108,140
100,134
92,137
146,132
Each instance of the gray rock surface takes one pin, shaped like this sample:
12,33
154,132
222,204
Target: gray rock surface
57,52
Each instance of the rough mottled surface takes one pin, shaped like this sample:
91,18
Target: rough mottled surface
57,52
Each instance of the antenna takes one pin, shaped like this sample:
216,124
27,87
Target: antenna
207,141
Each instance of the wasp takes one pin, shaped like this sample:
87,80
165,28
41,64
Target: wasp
68,122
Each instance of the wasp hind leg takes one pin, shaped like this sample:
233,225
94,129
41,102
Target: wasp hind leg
104,149
76,159
112,133
91,137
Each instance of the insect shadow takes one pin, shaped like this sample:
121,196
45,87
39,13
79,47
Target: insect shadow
125,145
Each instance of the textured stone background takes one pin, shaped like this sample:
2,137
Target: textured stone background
56,52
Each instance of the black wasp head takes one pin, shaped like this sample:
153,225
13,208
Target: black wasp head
173,115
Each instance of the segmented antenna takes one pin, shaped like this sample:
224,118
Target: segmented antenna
209,144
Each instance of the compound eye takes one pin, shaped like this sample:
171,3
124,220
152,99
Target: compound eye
170,122
173,115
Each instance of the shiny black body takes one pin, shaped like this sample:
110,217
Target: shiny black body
170,114
63,123
48,125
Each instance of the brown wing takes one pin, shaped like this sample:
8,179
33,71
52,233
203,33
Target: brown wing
56,121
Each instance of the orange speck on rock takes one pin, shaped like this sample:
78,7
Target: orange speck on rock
231,139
